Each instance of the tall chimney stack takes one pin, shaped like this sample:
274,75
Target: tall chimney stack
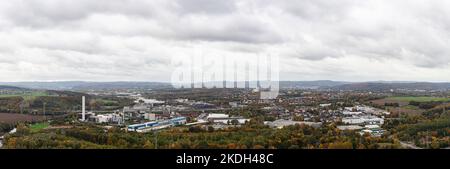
83,108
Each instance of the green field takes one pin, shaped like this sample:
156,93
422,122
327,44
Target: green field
26,96
411,107
38,126
419,99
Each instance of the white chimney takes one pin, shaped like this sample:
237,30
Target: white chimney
83,108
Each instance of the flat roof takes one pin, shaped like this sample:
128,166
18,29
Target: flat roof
217,115
350,127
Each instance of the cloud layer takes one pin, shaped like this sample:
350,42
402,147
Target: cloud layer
106,40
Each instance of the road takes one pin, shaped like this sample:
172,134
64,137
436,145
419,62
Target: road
408,145
1,142
2,137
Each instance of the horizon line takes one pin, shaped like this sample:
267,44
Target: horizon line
142,81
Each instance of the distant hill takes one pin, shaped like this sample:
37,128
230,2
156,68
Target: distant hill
285,84
4,87
65,93
80,85
319,84
121,85
45,85
310,84
396,86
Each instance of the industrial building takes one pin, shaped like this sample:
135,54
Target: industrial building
223,118
351,113
150,116
108,118
363,120
350,127
155,125
281,123
373,130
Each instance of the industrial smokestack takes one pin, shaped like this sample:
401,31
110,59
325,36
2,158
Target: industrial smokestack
83,108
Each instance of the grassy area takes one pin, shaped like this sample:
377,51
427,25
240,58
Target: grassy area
106,101
419,99
38,126
410,110
411,107
27,96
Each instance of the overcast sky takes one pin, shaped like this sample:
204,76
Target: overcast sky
123,40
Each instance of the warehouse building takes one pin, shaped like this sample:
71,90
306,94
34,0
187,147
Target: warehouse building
156,125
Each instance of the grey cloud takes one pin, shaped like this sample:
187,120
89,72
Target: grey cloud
324,10
205,6
178,19
234,29
113,39
46,13
377,30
